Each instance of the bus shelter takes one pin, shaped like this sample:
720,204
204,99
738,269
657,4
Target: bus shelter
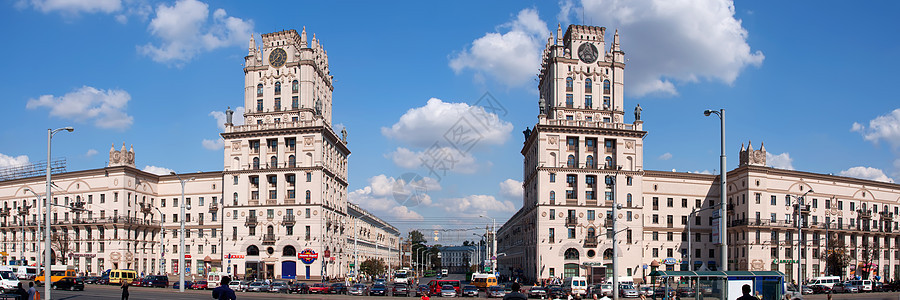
710,285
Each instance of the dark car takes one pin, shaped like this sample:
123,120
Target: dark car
68,283
103,279
90,279
820,289
878,287
378,289
496,292
400,289
278,287
421,290
685,292
155,281
299,288
537,292
470,291
337,288
555,292
187,284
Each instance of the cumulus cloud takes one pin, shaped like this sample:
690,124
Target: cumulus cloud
702,40
441,159
236,119
452,124
106,108
12,161
185,30
665,156
91,152
779,161
217,144
511,188
707,172
74,7
394,196
866,173
513,57
478,204
886,128
157,170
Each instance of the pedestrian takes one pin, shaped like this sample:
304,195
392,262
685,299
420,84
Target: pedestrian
515,294
21,293
124,288
224,292
31,291
425,296
746,290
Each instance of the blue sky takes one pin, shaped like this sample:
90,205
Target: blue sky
810,79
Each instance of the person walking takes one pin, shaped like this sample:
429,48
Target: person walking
21,293
124,288
31,291
224,292
515,294
746,290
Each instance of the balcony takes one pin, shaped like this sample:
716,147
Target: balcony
571,221
289,220
269,239
213,207
590,241
251,220
886,215
864,214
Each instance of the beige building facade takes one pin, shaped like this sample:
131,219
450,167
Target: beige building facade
582,157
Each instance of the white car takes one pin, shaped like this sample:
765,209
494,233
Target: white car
448,291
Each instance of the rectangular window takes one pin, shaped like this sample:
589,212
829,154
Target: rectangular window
758,198
588,102
590,215
552,236
606,102
670,202
571,233
670,236
655,219
307,213
684,202
295,102
655,203
552,177
570,101
655,235
655,252
259,105
774,200
308,176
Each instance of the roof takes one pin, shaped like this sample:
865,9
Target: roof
714,273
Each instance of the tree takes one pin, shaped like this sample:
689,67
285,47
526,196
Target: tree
435,260
836,257
372,267
868,257
61,243
416,237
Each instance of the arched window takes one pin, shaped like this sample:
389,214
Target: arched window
628,199
235,198
606,86
552,197
277,88
295,86
587,85
592,232
270,230
308,196
252,250
609,162
259,90
256,163
571,253
569,84
288,251
273,162
608,253
571,161
589,161
292,161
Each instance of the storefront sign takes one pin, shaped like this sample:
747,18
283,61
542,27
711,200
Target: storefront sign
670,261
786,261
234,256
307,256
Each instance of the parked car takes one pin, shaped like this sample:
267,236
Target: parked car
685,292
844,287
378,289
470,291
806,290
421,290
791,293
448,291
628,291
400,289
236,285
537,292
894,286
337,288
646,291
319,288
358,289
496,292
134,282
556,292
200,285
103,279
279,287
820,289
91,279
68,283
602,290
187,283
258,286
878,287
155,281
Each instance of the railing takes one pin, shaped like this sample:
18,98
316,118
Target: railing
268,239
864,214
590,241
213,207
251,220
590,124
289,219
886,215
571,221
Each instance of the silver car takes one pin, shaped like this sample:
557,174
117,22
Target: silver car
628,291
448,291
844,287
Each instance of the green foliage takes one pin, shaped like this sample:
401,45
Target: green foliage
416,237
372,267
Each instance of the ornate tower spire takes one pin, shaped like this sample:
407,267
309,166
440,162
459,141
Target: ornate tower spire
559,35
303,38
615,45
252,49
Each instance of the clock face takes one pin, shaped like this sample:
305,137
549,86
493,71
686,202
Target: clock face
277,57
587,52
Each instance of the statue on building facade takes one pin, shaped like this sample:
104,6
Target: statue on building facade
527,133
637,112
344,135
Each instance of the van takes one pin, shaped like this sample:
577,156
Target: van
862,285
57,272
8,279
434,286
828,281
575,285
214,279
483,280
24,272
117,276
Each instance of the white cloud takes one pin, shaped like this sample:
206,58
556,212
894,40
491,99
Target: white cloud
441,159
565,10
217,144
707,172
12,161
236,119
779,161
91,152
511,188
185,30
866,173
157,170
394,197
478,204
74,7
702,41
886,127
105,107
665,156
512,58
424,126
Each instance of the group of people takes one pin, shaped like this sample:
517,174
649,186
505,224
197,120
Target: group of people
29,294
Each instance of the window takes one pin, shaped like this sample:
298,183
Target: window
552,177
308,197
552,197
569,84
259,90
588,85
552,236
670,236
552,214
588,102
628,180
571,233
628,200
590,215
308,237
655,219
670,202
606,86
277,88
589,162
570,162
684,202
655,203
570,101
308,176
655,235
295,86
259,106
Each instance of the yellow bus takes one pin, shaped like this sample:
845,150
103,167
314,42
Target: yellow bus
484,281
57,272
117,276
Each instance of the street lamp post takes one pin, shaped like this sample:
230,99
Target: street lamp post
827,254
615,254
799,209
181,235
723,227
493,244
162,246
47,258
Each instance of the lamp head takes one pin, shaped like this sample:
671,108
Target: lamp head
707,112
171,173
69,129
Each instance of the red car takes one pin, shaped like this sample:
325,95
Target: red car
319,288
136,282
200,285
